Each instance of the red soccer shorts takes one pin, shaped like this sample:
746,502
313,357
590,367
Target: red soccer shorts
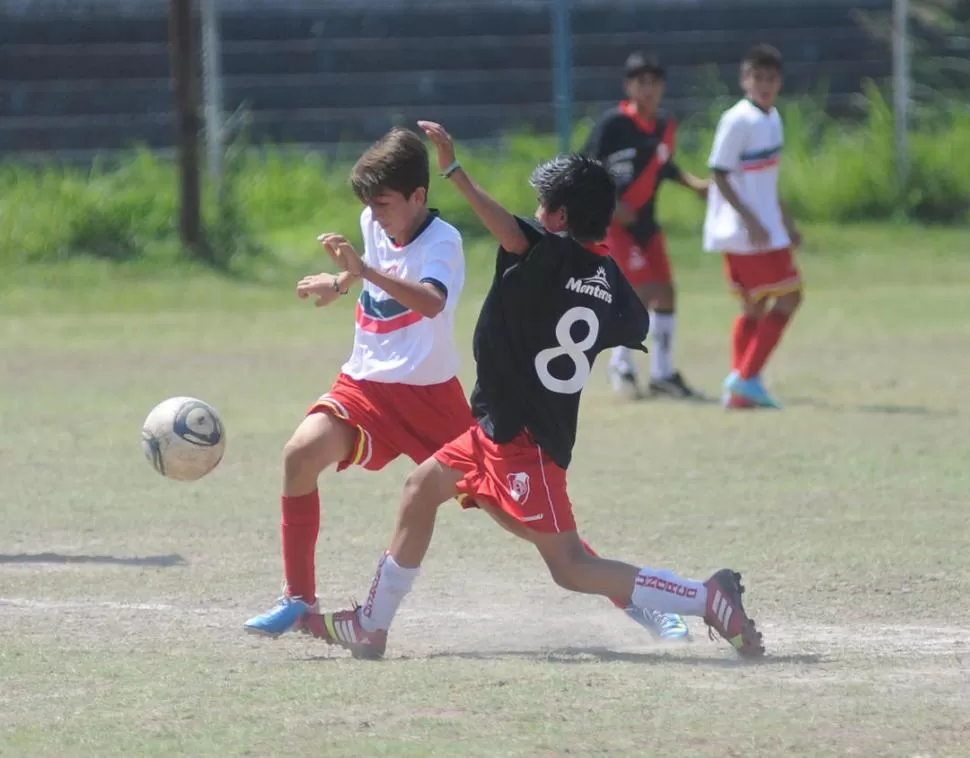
396,419
517,478
756,276
640,264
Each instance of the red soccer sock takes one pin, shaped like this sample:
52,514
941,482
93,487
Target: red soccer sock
617,602
744,329
300,526
763,343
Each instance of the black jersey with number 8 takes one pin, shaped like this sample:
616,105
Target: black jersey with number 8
547,316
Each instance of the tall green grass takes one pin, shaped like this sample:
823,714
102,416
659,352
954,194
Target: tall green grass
832,172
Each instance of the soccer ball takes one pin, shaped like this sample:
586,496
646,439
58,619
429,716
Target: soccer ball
183,438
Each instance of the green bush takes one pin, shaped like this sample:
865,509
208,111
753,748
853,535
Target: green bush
832,172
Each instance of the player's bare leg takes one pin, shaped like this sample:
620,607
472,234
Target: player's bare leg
670,627
320,441
664,626
363,629
789,303
430,485
717,601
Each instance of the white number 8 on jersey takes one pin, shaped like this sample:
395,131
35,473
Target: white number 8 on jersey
568,347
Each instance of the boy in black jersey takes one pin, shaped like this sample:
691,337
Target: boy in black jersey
553,306
636,141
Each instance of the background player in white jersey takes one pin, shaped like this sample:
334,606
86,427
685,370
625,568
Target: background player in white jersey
398,392
553,306
748,222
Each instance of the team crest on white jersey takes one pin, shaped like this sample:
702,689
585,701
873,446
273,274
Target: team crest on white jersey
597,285
519,486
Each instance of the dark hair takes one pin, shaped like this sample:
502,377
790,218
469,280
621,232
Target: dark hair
762,56
397,162
583,187
639,62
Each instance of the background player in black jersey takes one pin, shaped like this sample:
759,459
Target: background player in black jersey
637,141
552,307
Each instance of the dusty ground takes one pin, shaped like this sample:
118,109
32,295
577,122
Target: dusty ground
122,594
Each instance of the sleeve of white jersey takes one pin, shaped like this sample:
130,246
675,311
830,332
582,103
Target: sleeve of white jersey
366,220
728,143
444,268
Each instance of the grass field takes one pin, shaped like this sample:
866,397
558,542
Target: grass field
122,594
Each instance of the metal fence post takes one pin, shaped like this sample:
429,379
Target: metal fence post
212,82
562,72
182,57
901,87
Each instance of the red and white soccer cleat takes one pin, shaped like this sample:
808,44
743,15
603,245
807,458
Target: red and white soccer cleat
726,616
343,628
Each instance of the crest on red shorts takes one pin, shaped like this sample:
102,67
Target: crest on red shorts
519,486
637,261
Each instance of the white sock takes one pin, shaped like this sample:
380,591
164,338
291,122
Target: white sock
664,591
391,583
662,355
620,359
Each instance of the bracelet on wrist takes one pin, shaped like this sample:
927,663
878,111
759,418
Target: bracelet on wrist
449,170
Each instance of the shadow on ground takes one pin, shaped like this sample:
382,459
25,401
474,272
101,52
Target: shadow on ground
887,409
160,561
605,655
573,655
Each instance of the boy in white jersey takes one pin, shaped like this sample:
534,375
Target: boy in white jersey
748,223
398,393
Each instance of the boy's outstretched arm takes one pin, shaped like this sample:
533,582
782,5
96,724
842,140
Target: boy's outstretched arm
497,220
687,179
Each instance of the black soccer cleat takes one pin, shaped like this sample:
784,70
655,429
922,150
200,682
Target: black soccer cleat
674,386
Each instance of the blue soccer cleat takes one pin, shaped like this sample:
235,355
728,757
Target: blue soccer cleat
752,390
663,626
282,618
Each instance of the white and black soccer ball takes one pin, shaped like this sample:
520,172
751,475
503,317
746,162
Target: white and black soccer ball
183,438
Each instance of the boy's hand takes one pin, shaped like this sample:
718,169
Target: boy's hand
796,237
442,141
343,253
321,285
757,233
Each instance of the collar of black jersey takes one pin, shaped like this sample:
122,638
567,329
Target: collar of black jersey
645,125
600,248
433,213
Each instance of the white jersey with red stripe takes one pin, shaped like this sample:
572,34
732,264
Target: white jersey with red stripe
747,146
391,342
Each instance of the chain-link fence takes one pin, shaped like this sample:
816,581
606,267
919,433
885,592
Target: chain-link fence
95,75
92,76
